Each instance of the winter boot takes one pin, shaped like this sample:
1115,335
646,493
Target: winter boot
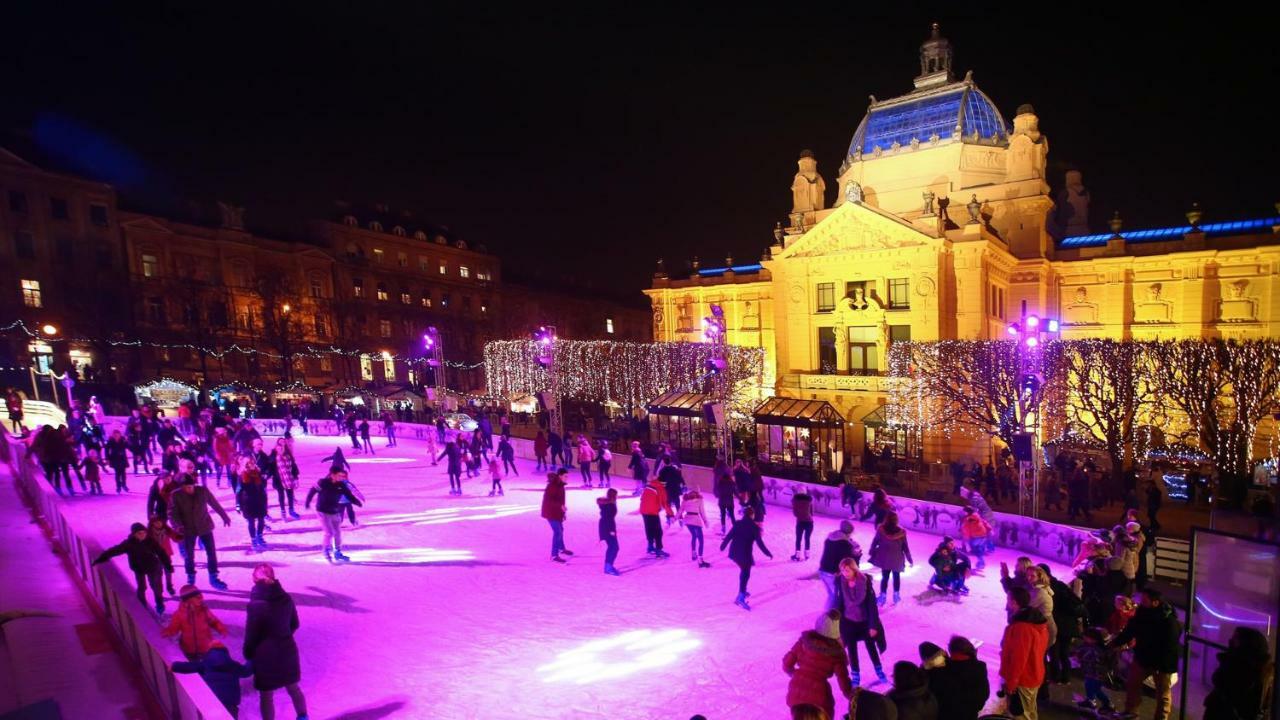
160,608
216,583
557,558
191,578
795,558
806,554
328,555
662,553
262,544
703,563
294,515
501,492
337,555
880,674
856,678
880,600
611,570
491,493
741,601
896,597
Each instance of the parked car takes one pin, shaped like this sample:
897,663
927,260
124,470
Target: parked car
461,422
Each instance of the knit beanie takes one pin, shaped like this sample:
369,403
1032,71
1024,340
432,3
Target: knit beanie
828,626
928,651
188,591
136,527
846,527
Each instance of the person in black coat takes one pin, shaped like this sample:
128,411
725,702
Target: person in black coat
960,684
1242,682
452,455
1155,630
220,673
507,454
147,560
741,537
1068,612
609,529
859,618
911,693
271,621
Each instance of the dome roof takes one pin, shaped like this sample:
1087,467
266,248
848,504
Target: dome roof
957,111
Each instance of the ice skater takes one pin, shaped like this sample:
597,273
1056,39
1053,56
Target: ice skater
859,618
348,508
327,492
604,461
508,454
495,474
695,520
740,540
158,530
724,490
586,456
452,455
364,436
117,452
554,512
802,509
92,466
609,529
337,458
639,467
252,501
889,551
652,502
950,568
147,560
271,618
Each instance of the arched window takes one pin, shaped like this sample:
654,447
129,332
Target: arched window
375,226
350,220
420,236
397,231
461,244
382,291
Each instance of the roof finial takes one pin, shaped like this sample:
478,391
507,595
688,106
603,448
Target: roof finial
936,32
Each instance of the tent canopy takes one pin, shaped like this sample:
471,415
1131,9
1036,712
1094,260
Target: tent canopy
794,412
678,403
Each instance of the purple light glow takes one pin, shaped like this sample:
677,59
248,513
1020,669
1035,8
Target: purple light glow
1032,342
1032,321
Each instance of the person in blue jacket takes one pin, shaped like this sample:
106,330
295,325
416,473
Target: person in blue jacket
220,673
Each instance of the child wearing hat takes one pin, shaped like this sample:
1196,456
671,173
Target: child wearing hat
147,560
193,623
815,657
221,673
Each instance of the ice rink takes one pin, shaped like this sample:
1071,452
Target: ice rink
451,608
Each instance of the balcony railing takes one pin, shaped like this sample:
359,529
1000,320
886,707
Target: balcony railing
861,383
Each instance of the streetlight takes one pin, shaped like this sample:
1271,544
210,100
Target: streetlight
49,329
544,345
1030,335
715,332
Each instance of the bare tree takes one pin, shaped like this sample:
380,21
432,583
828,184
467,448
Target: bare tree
1107,387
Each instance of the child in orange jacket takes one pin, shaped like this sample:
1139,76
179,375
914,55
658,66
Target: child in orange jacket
975,530
194,624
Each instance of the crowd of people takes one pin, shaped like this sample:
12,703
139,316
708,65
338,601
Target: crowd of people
1102,622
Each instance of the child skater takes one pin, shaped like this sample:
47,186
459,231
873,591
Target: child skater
118,458
159,530
1095,663
193,623
694,518
220,673
147,561
495,472
92,472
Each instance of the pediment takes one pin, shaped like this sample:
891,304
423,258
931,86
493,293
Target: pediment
145,222
855,227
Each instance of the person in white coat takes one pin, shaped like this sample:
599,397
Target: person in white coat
695,519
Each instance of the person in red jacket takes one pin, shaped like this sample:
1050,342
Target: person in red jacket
816,656
1022,650
654,500
554,511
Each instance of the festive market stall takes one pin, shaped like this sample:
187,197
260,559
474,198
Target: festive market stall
886,438
398,398
677,418
799,439
166,393
295,394
235,397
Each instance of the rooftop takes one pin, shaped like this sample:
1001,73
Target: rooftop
1221,229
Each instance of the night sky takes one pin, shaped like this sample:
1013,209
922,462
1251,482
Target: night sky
582,146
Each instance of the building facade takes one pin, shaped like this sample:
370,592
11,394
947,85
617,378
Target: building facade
943,227
130,296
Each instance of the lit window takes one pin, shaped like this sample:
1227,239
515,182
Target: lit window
426,301
484,275
357,287
484,308
464,271
384,328
375,226
424,263
444,269
378,255
406,298
608,325
326,363
31,294
382,291
389,369
149,264
402,259
366,367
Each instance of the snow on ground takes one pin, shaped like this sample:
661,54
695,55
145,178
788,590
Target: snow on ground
451,607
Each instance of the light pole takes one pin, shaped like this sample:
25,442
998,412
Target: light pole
284,342
1031,335
545,347
714,331
435,360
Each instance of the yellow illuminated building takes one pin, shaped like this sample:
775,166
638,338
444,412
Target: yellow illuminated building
941,229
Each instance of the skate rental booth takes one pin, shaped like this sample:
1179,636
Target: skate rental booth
799,439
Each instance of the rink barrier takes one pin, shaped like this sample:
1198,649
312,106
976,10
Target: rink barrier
111,586
1051,541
